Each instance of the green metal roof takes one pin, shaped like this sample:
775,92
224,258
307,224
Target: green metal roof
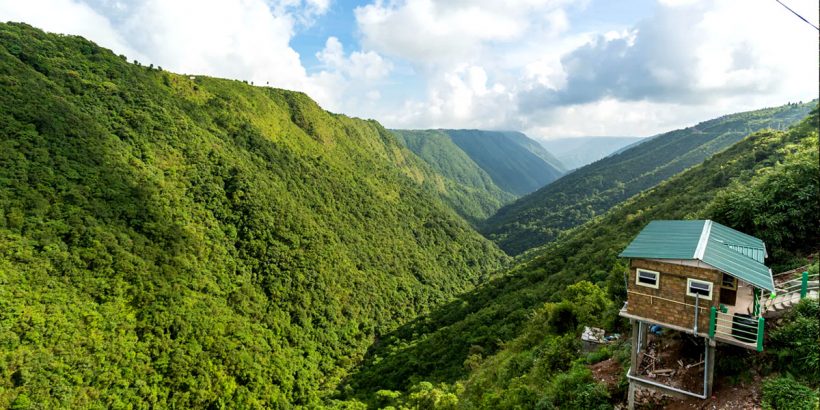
721,247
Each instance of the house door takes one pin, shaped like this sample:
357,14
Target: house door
728,290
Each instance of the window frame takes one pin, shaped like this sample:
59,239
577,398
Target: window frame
638,278
723,280
689,282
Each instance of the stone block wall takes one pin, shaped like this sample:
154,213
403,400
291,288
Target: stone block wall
669,303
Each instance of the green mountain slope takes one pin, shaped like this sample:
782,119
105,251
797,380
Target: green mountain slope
579,151
201,243
515,163
474,194
538,149
751,186
538,218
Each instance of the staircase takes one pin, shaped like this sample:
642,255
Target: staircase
790,288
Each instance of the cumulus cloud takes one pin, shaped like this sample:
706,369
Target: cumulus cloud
350,82
427,31
359,65
685,53
688,61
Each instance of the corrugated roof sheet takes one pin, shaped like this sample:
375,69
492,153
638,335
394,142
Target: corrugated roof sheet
666,240
721,247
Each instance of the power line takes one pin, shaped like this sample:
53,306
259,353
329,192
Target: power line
795,13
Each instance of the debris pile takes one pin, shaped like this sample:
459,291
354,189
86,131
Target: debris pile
665,360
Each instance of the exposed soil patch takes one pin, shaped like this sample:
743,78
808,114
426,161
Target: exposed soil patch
608,372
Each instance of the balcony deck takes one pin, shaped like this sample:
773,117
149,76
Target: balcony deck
720,334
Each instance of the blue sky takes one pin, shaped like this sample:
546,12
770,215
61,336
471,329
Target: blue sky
550,68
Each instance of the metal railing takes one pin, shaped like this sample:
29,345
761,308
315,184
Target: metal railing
794,288
743,329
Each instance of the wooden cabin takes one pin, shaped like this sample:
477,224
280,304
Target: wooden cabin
683,270
698,277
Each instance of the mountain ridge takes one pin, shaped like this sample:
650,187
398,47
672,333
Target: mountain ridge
515,163
538,218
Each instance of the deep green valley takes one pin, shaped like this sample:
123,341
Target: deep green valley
185,241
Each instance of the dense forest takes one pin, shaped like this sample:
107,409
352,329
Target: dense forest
192,242
513,342
579,196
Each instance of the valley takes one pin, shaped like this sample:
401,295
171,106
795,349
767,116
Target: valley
186,241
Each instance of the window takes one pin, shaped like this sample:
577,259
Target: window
696,287
728,282
647,278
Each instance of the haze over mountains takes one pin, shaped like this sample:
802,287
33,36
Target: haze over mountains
576,152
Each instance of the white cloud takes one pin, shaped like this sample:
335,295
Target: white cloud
689,61
350,82
360,65
428,31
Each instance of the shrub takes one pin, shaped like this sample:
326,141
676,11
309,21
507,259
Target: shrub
575,389
787,393
795,342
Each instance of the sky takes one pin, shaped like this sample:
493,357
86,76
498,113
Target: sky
549,68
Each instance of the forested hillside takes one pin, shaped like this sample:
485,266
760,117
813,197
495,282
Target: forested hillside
481,196
576,152
540,217
192,242
515,163
513,342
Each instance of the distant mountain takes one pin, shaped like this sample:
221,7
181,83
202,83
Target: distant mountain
516,164
579,151
593,189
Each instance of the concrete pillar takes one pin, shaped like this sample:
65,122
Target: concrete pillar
636,340
710,369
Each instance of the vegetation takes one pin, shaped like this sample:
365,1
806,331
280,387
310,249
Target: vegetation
510,339
514,162
540,217
470,190
794,344
787,394
168,241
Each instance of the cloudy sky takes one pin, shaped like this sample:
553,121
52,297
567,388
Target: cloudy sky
550,68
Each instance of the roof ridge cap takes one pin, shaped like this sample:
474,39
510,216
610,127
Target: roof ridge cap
704,239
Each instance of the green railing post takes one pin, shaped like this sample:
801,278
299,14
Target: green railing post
804,285
712,320
760,325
